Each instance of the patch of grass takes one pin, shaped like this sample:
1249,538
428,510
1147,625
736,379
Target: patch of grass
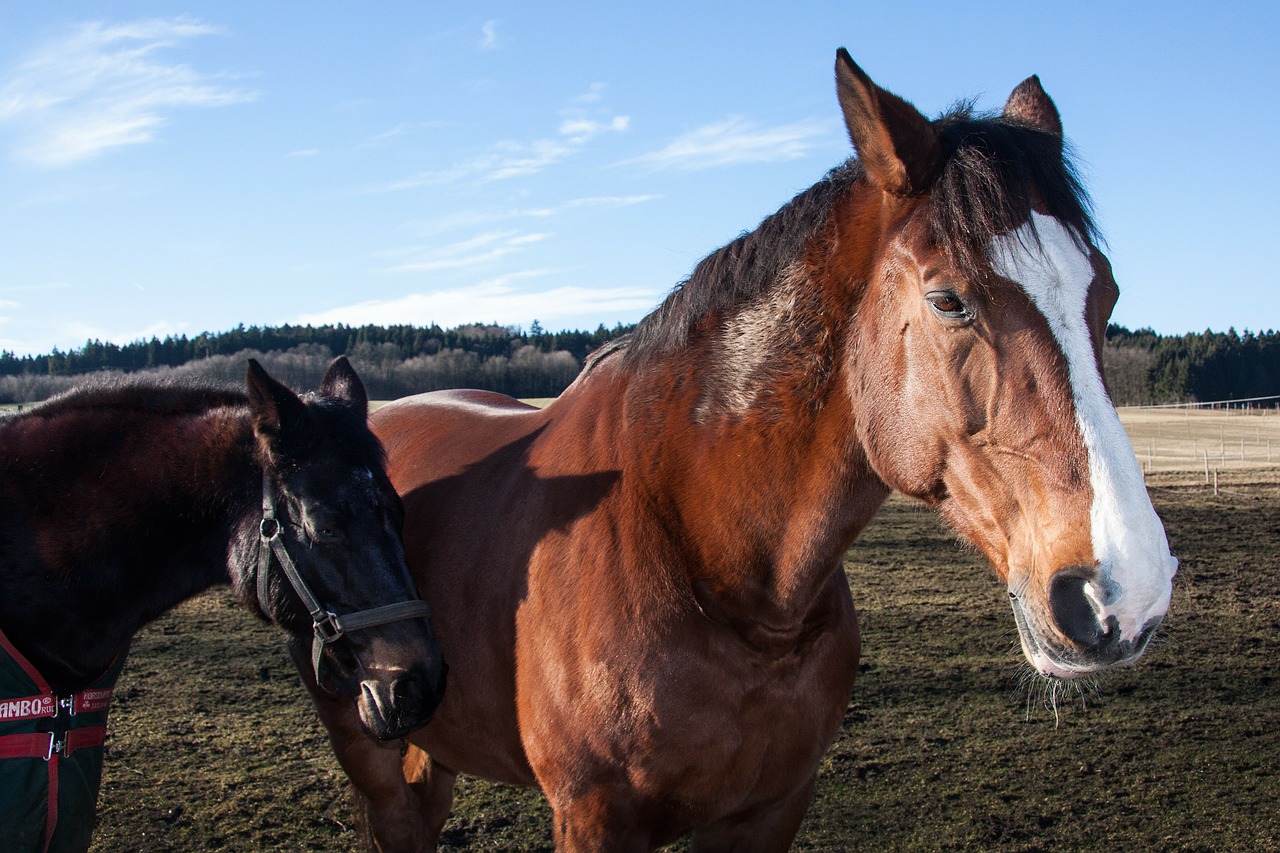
214,745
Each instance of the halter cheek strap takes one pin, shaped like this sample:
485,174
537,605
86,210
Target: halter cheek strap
327,626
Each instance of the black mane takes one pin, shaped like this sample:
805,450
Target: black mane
737,273
985,188
167,397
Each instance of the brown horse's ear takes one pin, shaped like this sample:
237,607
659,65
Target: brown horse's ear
341,381
274,409
897,146
1031,105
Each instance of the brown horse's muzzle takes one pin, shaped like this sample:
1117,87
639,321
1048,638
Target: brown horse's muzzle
1071,637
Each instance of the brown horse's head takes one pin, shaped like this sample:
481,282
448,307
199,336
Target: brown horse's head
976,364
333,514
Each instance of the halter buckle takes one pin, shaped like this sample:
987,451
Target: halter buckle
269,528
328,628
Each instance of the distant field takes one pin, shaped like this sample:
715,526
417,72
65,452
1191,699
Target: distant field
1166,441
1189,441
1180,441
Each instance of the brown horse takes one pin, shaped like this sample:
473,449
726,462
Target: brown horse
640,588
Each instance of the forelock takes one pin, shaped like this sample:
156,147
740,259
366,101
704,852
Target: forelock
995,171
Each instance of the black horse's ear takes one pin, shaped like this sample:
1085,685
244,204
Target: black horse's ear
341,381
897,146
1029,104
275,409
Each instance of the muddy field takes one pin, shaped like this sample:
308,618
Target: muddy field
947,744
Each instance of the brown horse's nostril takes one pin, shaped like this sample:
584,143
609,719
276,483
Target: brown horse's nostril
1076,617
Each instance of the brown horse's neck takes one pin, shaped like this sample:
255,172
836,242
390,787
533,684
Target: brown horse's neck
132,515
745,439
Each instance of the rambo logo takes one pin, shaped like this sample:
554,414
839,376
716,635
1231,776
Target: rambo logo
31,708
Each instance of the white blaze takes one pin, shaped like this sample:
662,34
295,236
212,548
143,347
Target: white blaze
1135,567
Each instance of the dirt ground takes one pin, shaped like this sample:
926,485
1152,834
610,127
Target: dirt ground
947,744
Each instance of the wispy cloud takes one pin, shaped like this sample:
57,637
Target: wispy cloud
488,36
510,159
733,142
464,219
593,95
105,86
579,130
504,160
497,300
400,130
476,251
608,201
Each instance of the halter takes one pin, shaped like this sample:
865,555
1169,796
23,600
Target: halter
328,626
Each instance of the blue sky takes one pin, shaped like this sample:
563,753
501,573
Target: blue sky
174,167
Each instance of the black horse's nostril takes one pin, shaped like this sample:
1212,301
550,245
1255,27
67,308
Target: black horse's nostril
1076,617
408,697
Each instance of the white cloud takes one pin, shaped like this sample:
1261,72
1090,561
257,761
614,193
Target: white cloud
488,36
504,160
461,219
78,332
580,130
610,201
593,94
510,159
464,219
476,251
497,300
305,152
400,130
104,86
733,142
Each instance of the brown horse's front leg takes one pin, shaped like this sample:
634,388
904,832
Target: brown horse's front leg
598,821
393,812
767,831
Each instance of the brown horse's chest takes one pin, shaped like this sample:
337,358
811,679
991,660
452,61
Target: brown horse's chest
709,722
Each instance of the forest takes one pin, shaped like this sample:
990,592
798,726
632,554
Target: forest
1142,367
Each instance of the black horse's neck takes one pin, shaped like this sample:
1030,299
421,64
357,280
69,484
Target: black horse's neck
113,512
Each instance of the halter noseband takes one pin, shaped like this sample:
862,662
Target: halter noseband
327,625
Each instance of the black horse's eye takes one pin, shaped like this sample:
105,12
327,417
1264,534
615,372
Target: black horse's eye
325,532
947,305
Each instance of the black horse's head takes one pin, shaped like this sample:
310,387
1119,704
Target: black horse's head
330,564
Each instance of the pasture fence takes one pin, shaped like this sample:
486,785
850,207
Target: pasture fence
1206,442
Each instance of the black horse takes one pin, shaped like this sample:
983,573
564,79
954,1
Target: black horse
120,500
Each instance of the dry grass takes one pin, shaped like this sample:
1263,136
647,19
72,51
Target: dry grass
214,746
1198,442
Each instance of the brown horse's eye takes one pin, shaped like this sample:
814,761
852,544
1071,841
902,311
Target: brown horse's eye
947,305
